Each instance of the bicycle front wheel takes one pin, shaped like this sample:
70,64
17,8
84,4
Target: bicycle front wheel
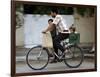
74,56
37,58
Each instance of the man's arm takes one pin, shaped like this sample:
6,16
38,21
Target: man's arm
49,28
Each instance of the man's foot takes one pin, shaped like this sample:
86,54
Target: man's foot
60,60
53,61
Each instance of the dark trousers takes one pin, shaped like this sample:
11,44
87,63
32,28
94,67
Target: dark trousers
57,42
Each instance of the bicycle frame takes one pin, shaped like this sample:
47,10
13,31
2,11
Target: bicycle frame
64,43
47,49
59,57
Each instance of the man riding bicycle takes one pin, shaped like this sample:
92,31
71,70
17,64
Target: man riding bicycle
60,27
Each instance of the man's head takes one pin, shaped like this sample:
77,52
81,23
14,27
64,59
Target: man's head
50,21
54,12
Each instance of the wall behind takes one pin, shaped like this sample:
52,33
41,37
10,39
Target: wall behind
86,27
30,33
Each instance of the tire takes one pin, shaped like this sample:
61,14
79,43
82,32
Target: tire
74,57
35,61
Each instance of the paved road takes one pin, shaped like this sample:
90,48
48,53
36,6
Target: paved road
22,67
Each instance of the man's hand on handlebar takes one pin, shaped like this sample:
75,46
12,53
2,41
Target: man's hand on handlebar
44,32
66,31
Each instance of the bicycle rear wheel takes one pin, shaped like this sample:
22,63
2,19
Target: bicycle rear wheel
37,58
74,56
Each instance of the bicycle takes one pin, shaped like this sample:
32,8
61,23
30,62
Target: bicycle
38,57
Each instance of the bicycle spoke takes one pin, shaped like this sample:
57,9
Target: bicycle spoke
37,58
74,57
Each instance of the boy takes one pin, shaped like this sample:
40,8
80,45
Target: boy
53,34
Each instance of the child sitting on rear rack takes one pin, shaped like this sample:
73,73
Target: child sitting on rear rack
74,37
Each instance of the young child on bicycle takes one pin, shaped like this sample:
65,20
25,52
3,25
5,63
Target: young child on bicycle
73,36
53,34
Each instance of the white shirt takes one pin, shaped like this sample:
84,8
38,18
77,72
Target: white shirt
60,25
